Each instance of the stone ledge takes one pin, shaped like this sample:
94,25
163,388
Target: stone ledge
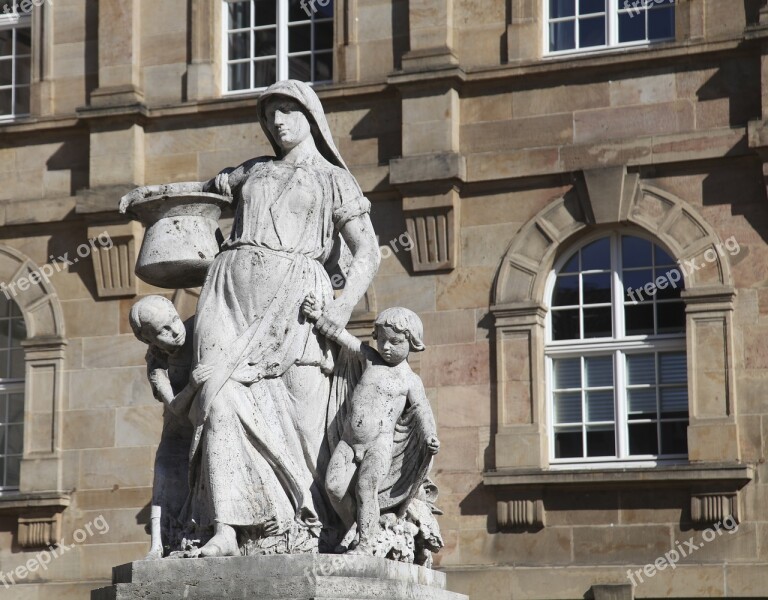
735,474
276,576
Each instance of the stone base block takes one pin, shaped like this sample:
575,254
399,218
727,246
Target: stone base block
285,577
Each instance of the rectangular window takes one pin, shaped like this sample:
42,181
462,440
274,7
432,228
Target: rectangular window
15,61
271,40
583,25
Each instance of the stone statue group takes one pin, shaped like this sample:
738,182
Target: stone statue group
283,433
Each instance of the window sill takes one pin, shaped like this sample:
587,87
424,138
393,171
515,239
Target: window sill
730,475
38,516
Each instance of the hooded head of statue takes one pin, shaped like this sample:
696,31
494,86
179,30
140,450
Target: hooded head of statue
307,99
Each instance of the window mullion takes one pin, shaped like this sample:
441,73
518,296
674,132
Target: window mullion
282,39
622,402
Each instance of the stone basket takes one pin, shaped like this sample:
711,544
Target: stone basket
182,232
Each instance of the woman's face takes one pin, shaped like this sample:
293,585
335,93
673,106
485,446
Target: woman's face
287,123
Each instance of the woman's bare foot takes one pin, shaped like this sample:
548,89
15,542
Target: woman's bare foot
223,543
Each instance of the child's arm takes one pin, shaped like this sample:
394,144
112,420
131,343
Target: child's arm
313,314
183,400
417,396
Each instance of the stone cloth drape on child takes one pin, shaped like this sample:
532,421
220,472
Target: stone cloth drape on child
260,419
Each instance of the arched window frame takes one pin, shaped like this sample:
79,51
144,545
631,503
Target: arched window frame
620,347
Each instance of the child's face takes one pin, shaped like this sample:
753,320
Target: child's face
168,332
392,346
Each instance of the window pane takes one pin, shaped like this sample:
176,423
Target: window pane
324,12
568,407
240,45
6,71
601,442
23,40
643,438
297,13
6,42
591,32
673,367
240,76
6,105
300,38
641,369
661,23
672,282
324,36
591,6
300,67
635,252
561,8
264,43
5,306
634,282
15,311
23,70
662,258
642,403
12,466
597,322
565,324
266,12
674,402
5,333
638,319
323,67
599,371
264,72
22,101
597,255
239,14
566,291
572,266
599,406
562,36
15,408
17,364
674,438
671,317
5,356
567,373
632,28
568,444
597,288
15,439
18,328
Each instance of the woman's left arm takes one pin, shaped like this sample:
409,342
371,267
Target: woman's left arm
359,236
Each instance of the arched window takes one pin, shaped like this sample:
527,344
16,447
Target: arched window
12,332
616,362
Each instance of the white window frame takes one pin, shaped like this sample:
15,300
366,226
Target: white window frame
9,386
619,347
14,21
281,34
612,33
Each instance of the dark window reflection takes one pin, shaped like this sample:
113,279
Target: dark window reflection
568,444
597,322
643,438
601,442
565,324
674,437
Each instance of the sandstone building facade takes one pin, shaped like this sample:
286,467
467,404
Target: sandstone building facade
530,163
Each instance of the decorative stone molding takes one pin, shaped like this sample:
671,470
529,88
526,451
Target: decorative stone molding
715,507
433,226
114,266
520,514
37,532
38,514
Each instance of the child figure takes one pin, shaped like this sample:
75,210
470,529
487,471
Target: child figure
155,322
378,401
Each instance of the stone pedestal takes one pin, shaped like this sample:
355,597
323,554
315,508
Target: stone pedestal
294,577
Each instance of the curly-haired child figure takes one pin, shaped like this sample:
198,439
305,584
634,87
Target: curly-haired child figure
378,401
155,322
